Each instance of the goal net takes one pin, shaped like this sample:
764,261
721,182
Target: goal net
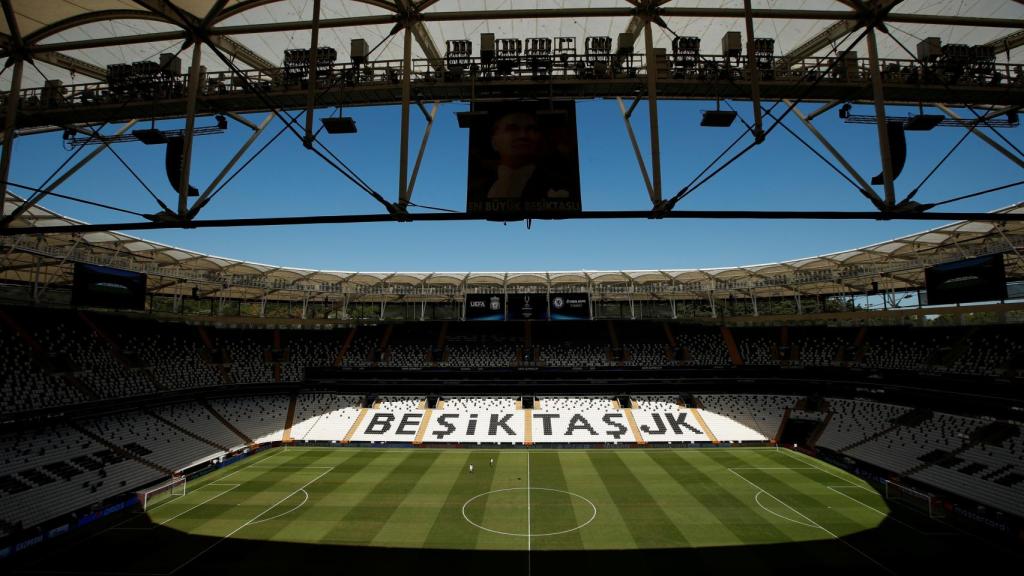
924,503
173,488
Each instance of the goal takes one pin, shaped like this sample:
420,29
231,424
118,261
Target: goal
173,488
924,503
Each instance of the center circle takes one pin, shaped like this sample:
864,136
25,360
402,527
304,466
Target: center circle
586,502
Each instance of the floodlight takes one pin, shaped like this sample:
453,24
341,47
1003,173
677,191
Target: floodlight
922,122
717,118
150,136
339,125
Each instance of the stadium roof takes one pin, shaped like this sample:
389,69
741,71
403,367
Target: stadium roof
68,39
895,264
82,37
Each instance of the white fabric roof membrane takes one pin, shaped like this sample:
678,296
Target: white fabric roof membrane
900,262
107,23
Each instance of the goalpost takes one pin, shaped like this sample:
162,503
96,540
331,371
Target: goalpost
925,503
173,488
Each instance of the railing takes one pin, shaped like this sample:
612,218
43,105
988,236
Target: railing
533,68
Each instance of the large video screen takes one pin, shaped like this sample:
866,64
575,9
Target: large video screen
570,306
980,279
527,307
523,157
104,287
485,306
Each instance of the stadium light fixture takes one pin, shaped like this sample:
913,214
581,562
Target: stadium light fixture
923,122
339,125
717,118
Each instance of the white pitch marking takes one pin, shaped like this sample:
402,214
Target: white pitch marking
254,518
531,534
826,530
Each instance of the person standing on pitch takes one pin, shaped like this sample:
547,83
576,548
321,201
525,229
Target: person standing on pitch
492,462
470,468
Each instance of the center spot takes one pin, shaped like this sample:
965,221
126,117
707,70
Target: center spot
529,512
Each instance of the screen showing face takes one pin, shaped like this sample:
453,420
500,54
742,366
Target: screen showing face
523,159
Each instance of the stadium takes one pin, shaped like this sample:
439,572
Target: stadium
754,301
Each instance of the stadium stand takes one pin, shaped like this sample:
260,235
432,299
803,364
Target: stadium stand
744,417
260,418
480,403
57,469
324,416
853,421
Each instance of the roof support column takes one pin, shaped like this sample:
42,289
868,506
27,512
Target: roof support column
754,73
883,129
652,106
974,129
35,199
404,191
194,76
313,79
211,189
626,114
13,96
866,189
423,146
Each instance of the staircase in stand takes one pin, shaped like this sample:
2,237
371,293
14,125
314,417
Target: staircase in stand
121,450
227,424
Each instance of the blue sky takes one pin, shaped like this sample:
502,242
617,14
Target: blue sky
288,180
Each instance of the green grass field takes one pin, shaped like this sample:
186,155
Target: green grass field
536,511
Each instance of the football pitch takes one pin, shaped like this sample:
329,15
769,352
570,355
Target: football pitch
537,511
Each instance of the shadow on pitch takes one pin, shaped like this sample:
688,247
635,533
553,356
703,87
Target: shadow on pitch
892,547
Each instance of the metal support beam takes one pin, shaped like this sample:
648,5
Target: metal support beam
314,43
423,38
652,107
67,174
241,119
883,129
11,122
824,108
423,147
754,73
72,64
190,125
403,158
636,148
211,189
966,124
1006,43
866,189
226,44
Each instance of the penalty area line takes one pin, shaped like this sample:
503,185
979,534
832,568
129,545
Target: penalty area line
819,526
251,521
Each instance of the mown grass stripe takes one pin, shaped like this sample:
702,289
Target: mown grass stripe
307,522
553,511
364,520
790,492
412,521
450,529
734,516
642,513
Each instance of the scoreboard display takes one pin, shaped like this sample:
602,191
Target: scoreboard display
104,287
981,279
